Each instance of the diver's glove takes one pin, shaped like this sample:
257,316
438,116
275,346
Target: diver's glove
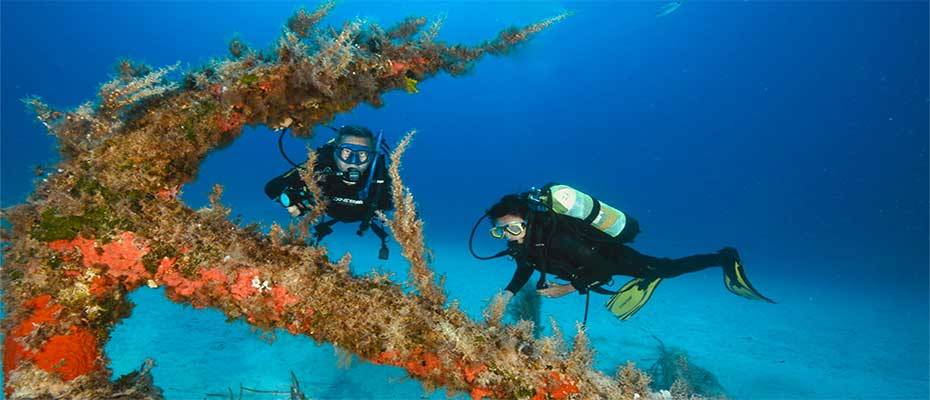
556,290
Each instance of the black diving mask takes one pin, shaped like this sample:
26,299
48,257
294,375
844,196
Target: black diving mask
353,153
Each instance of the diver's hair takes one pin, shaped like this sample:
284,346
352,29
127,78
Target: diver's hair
356,131
510,204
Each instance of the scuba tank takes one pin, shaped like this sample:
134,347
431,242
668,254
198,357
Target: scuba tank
568,201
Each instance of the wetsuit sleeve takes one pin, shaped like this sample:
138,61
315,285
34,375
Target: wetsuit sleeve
520,276
276,186
288,183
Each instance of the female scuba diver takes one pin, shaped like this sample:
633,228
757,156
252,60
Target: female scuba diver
561,231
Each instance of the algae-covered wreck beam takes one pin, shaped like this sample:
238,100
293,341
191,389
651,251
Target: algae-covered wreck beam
108,221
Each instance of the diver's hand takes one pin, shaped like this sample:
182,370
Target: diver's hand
507,295
556,290
294,211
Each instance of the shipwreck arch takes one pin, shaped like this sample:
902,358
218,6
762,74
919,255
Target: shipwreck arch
109,221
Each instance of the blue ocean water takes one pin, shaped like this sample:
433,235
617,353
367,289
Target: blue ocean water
796,132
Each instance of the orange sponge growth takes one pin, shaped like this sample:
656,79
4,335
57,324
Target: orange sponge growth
70,355
422,364
233,122
42,313
281,298
244,286
557,387
479,393
418,363
123,257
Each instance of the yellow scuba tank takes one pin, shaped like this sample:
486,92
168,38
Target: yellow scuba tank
565,200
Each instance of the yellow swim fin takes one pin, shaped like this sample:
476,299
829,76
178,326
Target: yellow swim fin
734,277
632,296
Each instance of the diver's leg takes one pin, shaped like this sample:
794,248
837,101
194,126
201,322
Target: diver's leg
633,263
383,252
324,228
734,276
670,268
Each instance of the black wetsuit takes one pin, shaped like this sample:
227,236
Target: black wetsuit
346,202
570,250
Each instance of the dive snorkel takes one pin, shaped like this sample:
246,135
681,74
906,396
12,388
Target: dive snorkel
380,147
374,164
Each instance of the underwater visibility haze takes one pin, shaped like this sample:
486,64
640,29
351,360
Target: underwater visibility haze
145,257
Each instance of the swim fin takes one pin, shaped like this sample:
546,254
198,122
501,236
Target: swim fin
632,296
734,277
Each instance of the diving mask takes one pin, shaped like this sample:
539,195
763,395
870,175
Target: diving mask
515,228
353,153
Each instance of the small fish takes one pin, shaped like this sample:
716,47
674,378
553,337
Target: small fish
669,8
411,85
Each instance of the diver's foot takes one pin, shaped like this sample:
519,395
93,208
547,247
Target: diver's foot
734,276
728,255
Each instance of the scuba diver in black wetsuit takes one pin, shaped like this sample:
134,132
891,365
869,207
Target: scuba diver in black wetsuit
561,231
354,182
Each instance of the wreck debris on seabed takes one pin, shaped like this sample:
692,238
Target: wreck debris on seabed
293,393
675,377
109,221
